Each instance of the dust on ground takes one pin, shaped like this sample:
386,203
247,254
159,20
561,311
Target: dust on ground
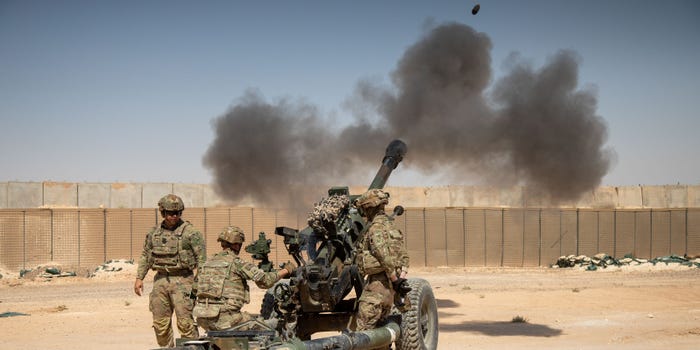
629,307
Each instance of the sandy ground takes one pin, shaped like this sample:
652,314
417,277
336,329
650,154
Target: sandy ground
615,308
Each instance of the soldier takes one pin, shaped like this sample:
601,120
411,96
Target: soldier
383,259
174,250
222,284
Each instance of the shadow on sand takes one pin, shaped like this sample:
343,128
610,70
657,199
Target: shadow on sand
446,303
501,328
492,328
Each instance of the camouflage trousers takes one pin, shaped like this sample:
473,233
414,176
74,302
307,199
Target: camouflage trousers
172,293
225,320
375,302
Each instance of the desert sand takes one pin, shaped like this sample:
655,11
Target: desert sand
642,307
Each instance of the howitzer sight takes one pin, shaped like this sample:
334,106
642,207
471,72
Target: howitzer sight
259,250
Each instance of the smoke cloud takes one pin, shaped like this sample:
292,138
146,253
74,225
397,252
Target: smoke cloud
533,128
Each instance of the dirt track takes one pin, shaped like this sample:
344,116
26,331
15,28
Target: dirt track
628,308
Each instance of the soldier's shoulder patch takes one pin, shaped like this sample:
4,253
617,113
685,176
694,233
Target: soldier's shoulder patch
245,264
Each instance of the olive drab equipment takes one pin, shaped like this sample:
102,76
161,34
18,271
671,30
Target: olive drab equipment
220,287
167,253
321,283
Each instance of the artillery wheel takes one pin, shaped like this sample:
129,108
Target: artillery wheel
419,325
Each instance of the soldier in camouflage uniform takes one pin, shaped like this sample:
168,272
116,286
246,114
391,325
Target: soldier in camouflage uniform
174,250
382,258
222,284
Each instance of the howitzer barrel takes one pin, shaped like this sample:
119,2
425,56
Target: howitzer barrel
369,339
395,152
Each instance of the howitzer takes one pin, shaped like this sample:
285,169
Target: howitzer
334,229
317,296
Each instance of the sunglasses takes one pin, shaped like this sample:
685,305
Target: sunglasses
173,212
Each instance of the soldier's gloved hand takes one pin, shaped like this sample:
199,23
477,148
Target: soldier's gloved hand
401,286
289,266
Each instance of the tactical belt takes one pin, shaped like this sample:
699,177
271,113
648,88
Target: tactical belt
219,301
182,272
208,301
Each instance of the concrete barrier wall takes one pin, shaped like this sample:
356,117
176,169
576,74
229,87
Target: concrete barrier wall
24,195
3,195
60,194
93,195
152,193
457,237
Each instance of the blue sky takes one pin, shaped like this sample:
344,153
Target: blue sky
104,91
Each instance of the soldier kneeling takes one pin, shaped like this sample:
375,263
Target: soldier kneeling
222,284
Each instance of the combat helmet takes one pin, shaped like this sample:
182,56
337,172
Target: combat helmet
231,234
171,202
372,198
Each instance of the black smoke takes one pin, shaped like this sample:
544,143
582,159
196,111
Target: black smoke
534,127
271,153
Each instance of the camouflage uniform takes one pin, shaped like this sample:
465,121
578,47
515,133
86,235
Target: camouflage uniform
219,308
222,286
382,254
174,254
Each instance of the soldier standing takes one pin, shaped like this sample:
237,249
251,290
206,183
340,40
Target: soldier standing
383,259
174,250
222,283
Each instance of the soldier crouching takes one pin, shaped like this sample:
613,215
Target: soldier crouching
222,285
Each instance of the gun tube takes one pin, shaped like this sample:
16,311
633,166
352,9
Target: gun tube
395,152
370,339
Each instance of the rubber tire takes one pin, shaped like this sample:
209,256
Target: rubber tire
419,325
